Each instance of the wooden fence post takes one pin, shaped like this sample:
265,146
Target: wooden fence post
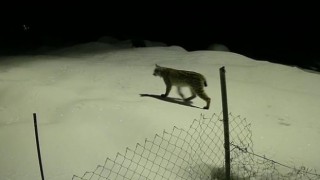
225,122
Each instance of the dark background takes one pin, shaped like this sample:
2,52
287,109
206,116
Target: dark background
287,34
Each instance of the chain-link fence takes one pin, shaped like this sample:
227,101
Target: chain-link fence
196,153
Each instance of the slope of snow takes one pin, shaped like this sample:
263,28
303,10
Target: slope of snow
89,107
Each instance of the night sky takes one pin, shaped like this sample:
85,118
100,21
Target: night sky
287,34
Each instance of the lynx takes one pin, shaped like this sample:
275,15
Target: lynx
182,78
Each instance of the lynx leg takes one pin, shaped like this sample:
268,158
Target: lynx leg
179,92
204,96
193,95
168,89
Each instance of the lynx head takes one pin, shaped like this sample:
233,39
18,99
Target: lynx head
157,70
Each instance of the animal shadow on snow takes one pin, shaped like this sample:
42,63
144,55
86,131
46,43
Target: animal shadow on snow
171,100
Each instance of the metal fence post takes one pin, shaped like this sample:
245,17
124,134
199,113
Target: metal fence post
38,146
225,122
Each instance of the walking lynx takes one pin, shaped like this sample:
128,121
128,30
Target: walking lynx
182,78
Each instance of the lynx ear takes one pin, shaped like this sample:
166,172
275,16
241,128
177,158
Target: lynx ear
157,65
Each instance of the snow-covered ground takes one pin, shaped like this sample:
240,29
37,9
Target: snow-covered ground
88,103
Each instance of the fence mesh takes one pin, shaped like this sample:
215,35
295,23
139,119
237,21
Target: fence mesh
196,153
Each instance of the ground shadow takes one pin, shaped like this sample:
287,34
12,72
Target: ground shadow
171,100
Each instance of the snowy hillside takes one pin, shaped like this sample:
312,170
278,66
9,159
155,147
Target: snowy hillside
89,107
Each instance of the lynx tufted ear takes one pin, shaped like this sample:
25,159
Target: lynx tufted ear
157,65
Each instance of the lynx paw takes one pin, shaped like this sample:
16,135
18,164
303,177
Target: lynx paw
206,107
